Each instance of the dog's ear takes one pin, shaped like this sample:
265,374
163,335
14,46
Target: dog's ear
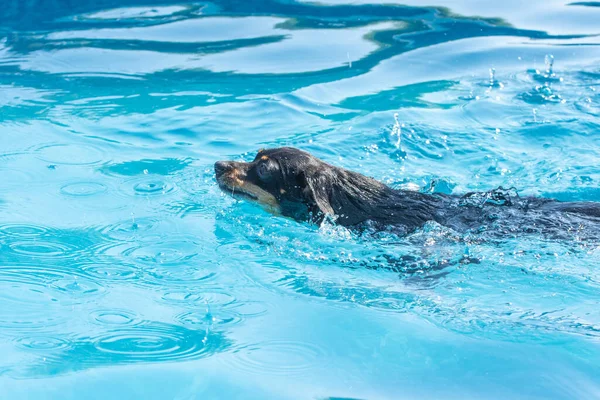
316,189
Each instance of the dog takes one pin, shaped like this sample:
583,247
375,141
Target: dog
295,184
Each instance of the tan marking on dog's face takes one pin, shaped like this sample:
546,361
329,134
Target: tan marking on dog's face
264,158
235,183
263,197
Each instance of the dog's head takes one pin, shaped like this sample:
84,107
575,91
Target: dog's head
296,184
277,179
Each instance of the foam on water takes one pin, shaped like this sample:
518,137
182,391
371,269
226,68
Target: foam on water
126,273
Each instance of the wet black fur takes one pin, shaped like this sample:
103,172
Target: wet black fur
308,189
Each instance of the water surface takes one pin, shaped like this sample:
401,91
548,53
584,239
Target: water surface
126,273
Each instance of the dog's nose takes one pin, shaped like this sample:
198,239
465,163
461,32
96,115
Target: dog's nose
222,166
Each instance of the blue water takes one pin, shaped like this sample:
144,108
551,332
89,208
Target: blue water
125,273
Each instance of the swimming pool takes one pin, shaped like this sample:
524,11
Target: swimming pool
126,273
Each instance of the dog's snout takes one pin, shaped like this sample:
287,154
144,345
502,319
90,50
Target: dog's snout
222,166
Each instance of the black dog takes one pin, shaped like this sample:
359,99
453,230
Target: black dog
296,184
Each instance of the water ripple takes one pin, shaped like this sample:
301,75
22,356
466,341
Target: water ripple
171,252
146,341
107,317
248,309
282,358
131,229
27,242
179,276
33,295
42,249
147,186
204,320
195,299
42,343
70,154
115,271
154,342
23,230
83,189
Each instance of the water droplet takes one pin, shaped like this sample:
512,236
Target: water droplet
549,61
548,75
494,83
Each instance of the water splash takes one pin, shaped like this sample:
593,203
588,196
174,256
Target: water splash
493,82
548,75
134,224
542,94
397,131
549,61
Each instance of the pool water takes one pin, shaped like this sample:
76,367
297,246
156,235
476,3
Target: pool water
125,273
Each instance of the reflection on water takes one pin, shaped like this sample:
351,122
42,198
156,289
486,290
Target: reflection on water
121,261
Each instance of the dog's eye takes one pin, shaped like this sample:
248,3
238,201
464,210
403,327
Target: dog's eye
263,170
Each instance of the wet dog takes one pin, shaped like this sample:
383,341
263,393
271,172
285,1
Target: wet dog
295,184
